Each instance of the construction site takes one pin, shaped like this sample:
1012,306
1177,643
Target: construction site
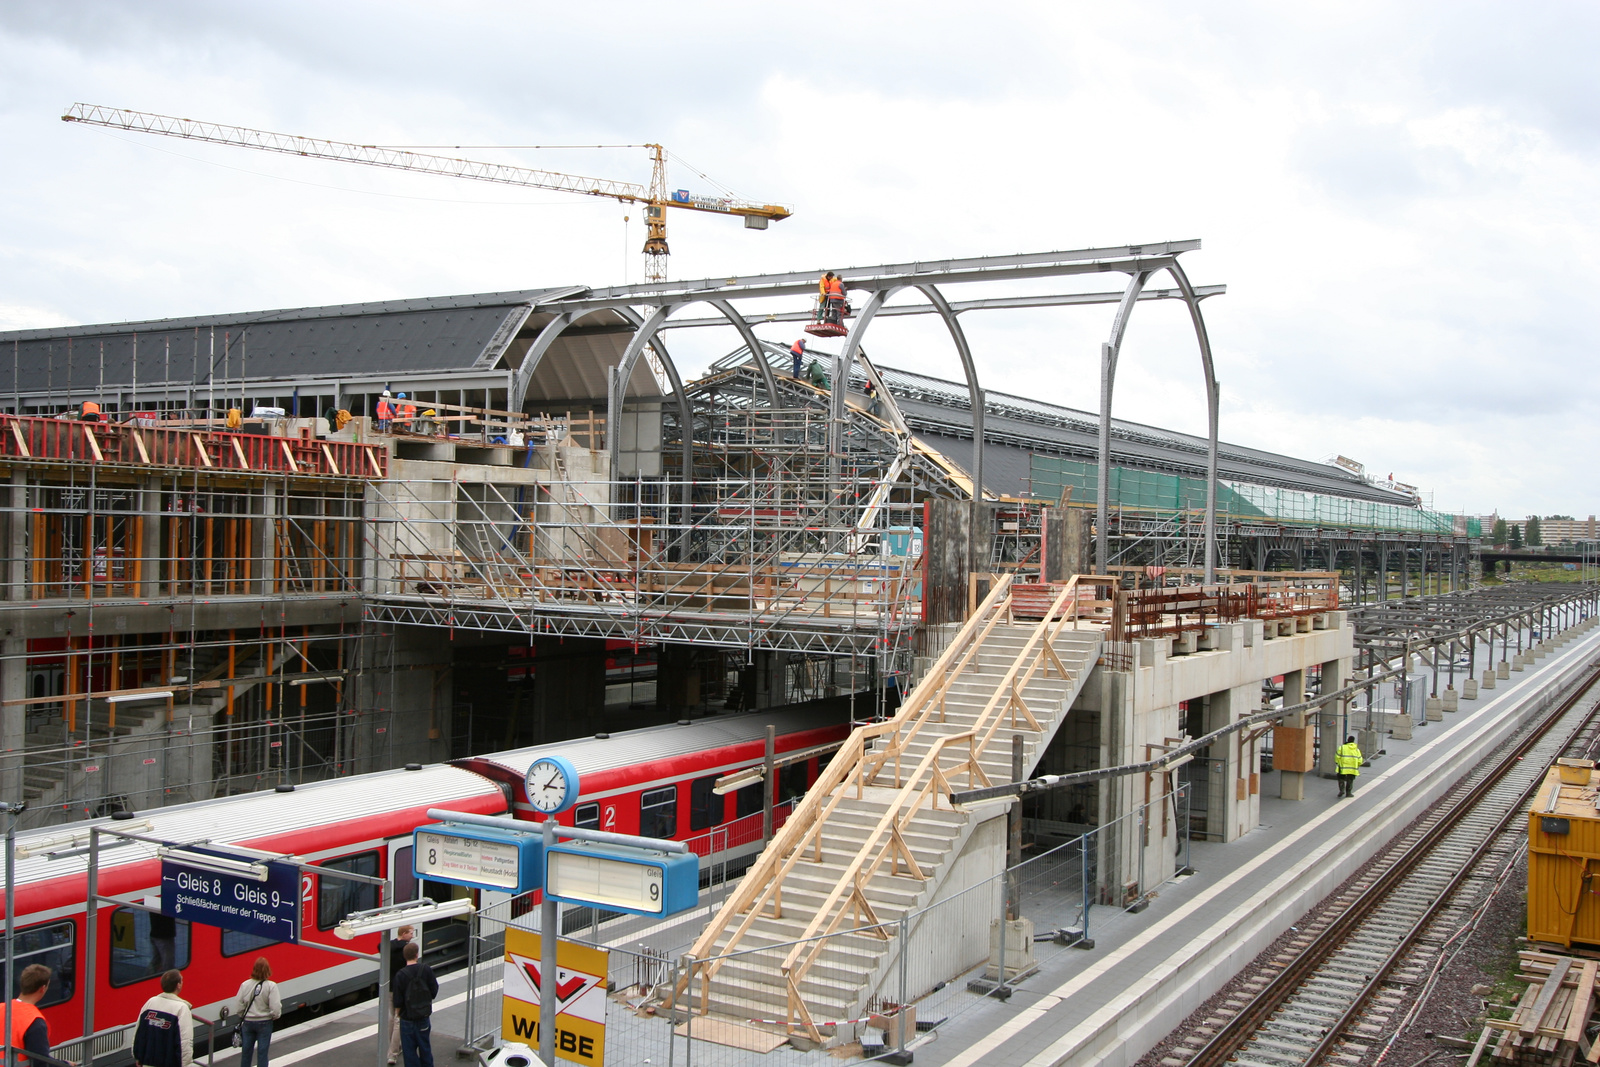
1062,654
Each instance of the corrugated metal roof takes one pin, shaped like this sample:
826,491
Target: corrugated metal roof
254,816
589,755
440,334
1015,426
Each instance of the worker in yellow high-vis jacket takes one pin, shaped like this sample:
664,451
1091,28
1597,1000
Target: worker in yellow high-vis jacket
1347,761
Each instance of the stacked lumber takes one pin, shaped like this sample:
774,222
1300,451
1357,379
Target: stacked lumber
1548,1025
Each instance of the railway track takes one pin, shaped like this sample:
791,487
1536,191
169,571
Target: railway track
1355,957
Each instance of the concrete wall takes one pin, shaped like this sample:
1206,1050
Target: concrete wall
1139,716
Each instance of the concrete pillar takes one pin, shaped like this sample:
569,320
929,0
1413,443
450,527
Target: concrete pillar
150,543
1292,779
17,539
1234,784
263,542
1335,676
13,718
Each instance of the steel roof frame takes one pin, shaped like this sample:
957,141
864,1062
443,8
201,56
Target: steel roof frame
660,300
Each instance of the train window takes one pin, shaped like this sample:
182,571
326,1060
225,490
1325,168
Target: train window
792,781
145,945
586,816
237,942
658,812
403,876
705,806
749,800
338,897
51,944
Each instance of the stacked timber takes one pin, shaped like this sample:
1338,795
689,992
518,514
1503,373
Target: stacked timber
1551,1019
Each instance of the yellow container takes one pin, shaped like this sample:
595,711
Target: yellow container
1574,771
1564,856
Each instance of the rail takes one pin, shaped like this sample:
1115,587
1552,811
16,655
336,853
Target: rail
47,441
858,765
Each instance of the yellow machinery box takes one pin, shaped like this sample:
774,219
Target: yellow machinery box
1564,856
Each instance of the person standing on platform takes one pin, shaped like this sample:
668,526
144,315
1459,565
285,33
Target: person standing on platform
258,1004
30,1031
414,990
163,942
165,1034
797,352
397,960
1347,761
384,411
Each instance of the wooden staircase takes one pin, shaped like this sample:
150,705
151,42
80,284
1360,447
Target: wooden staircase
875,839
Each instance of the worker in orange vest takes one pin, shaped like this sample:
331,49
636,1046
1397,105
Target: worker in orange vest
835,298
405,412
385,412
90,411
798,352
30,1031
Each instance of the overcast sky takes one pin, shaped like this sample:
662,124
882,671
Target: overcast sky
1401,199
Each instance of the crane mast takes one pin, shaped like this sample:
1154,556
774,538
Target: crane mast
656,198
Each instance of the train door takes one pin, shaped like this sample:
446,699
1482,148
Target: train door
442,941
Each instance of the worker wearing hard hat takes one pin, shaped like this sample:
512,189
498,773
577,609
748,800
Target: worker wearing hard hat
798,352
385,411
405,412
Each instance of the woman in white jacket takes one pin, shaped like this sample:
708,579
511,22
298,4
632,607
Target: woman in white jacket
258,1005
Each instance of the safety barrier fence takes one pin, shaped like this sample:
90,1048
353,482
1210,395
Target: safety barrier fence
946,959
39,440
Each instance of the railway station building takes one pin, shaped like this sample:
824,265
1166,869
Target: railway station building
558,535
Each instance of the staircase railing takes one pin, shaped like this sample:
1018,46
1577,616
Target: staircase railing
761,891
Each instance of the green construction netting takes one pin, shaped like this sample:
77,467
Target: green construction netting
1148,490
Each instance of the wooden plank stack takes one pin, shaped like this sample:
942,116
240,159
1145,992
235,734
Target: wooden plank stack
1548,1025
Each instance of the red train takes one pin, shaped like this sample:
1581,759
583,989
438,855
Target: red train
655,781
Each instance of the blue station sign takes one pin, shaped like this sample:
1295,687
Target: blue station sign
479,857
268,907
622,878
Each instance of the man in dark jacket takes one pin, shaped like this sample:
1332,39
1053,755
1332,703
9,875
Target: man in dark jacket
165,1035
414,990
397,960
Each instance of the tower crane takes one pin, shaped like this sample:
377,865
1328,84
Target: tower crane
656,199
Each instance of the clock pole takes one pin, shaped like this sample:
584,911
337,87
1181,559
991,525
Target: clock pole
549,914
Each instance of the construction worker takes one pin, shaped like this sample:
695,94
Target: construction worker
30,1032
798,352
405,412
1347,761
835,298
90,411
385,411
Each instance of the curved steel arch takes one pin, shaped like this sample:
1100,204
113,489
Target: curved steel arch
1108,372
522,377
753,343
617,390
847,357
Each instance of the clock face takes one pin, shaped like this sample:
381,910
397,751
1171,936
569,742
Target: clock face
552,785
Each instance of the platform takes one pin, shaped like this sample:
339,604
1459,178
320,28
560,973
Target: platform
1147,971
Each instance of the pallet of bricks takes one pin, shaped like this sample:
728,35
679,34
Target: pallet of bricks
1551,1022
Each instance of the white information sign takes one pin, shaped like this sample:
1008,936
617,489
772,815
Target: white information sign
634,886
466,859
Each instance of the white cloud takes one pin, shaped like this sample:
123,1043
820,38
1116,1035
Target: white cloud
1399,197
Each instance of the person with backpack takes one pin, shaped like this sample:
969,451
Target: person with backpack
414,990
165,1034
258,1004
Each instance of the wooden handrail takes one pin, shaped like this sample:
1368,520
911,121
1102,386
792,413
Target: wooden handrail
763,881
762,886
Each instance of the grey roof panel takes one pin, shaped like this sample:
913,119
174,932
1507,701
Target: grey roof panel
390,337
